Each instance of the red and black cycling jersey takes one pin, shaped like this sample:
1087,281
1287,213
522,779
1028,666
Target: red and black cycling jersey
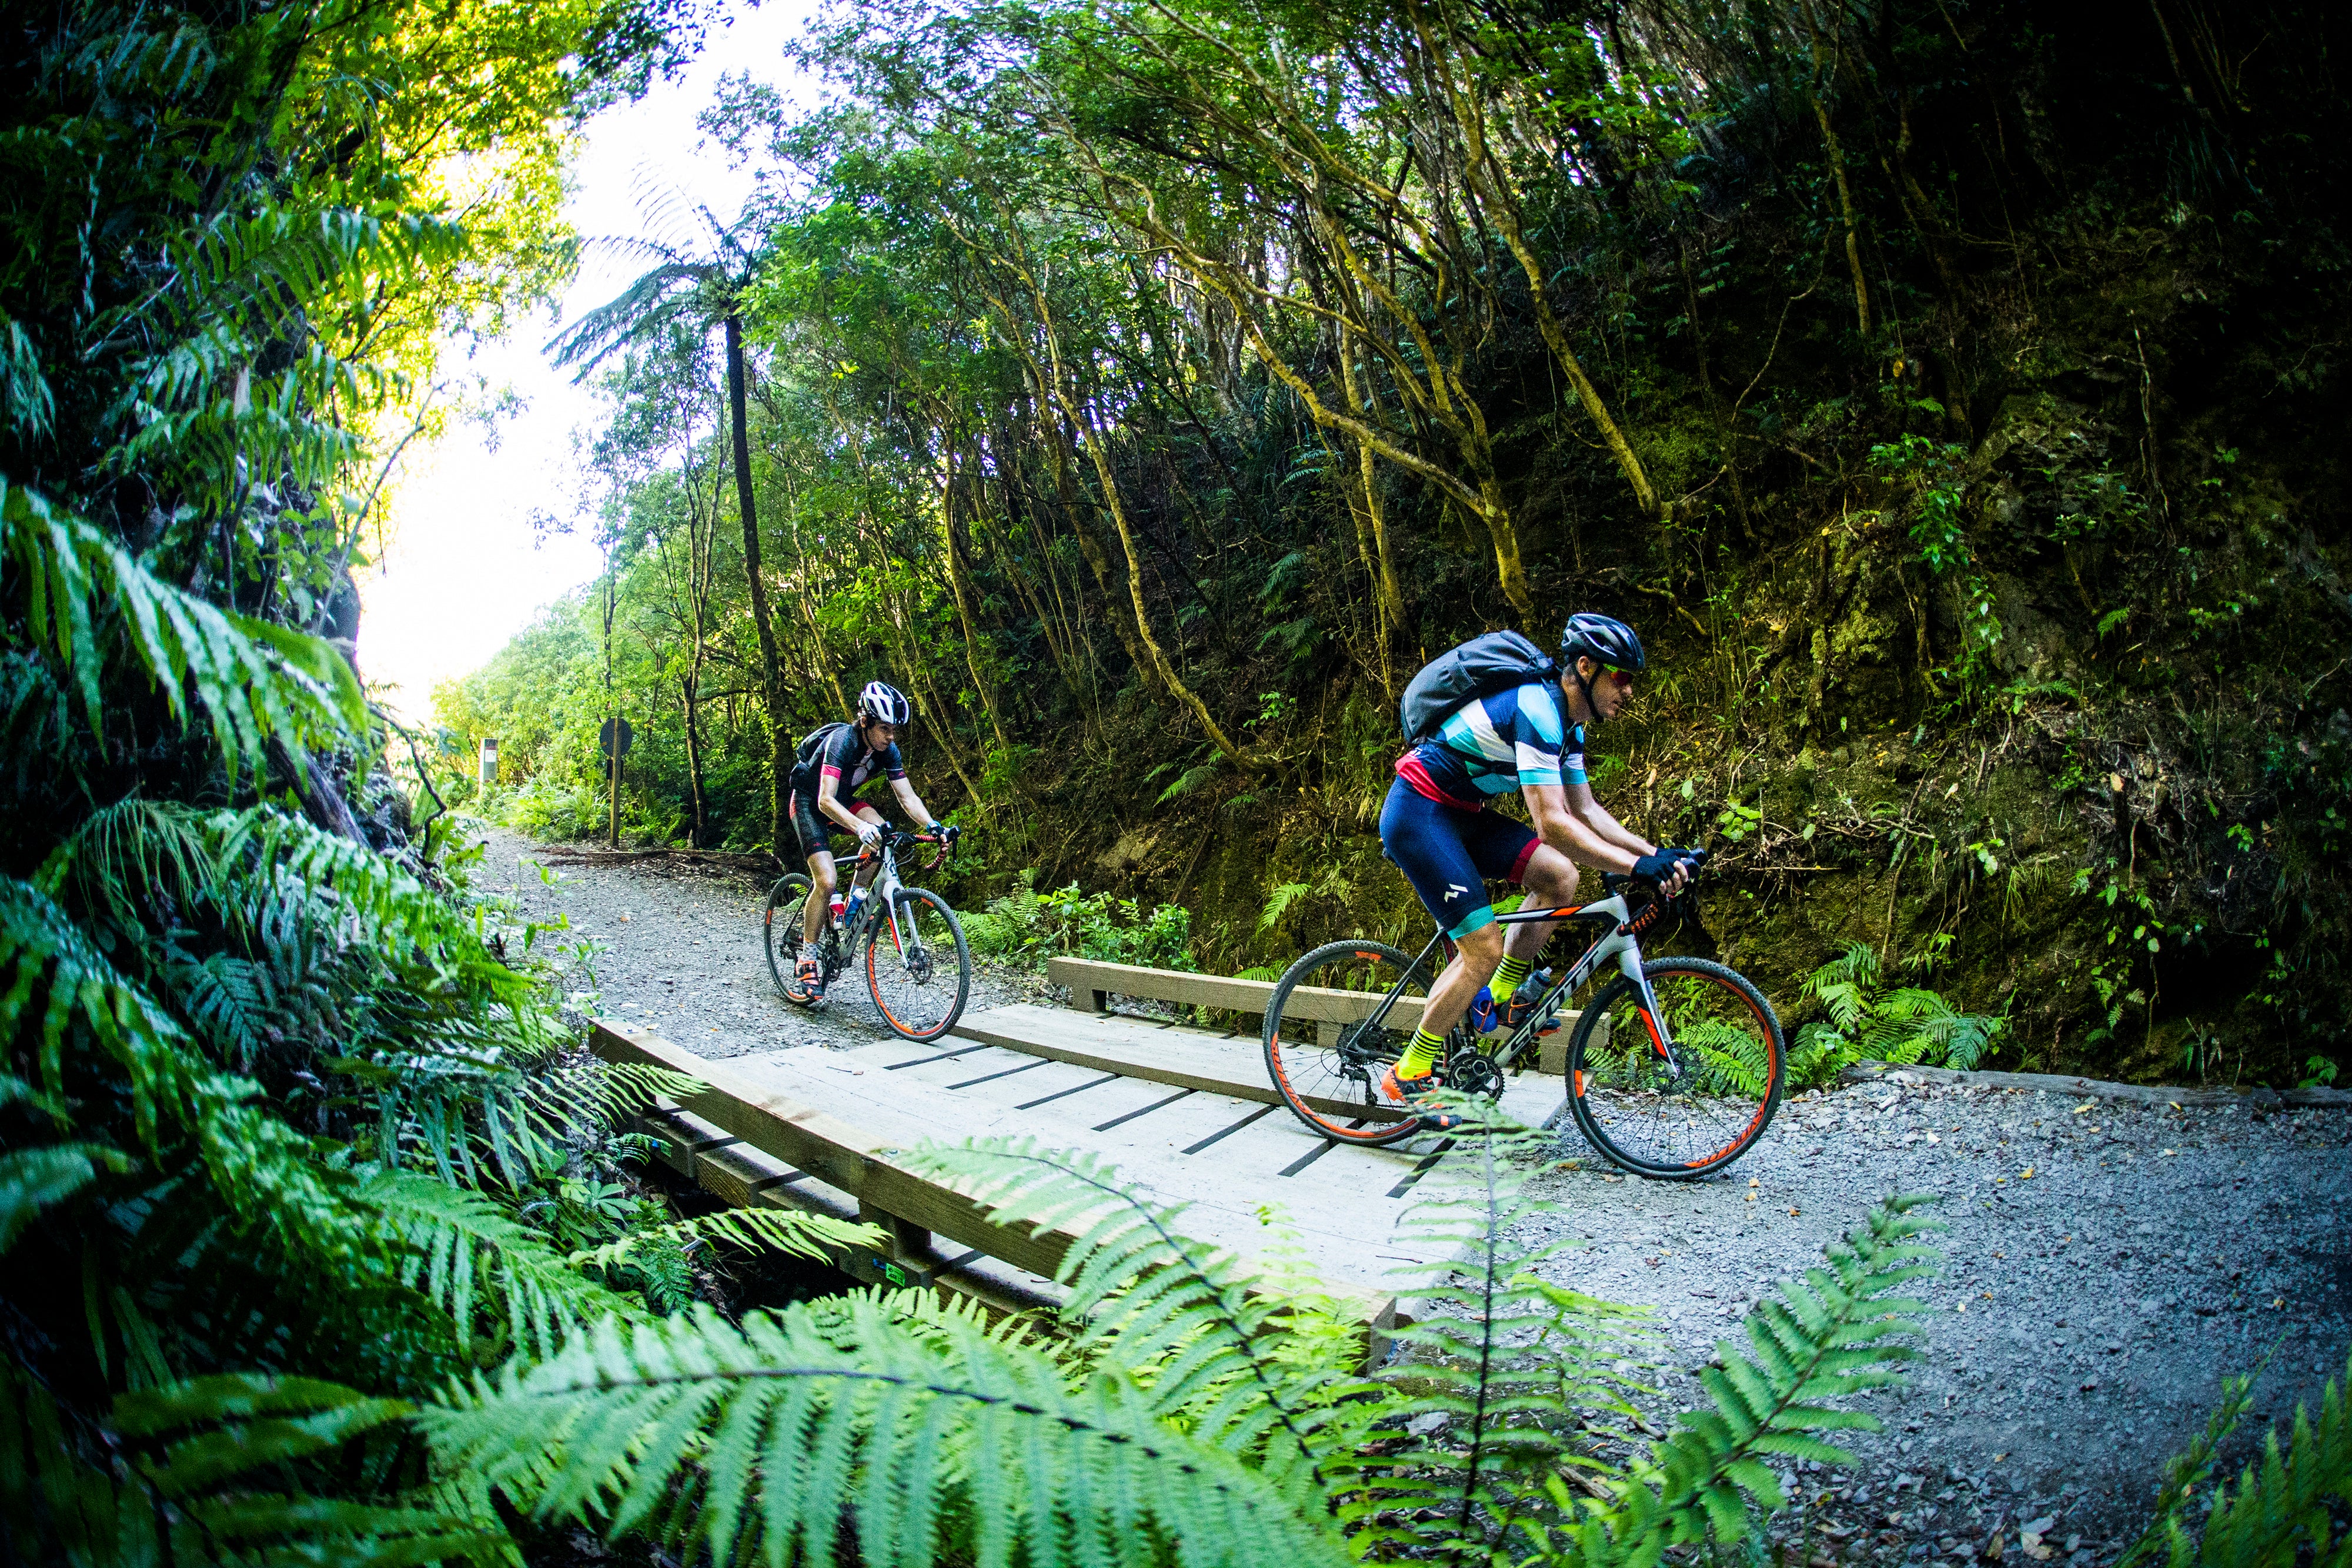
846,758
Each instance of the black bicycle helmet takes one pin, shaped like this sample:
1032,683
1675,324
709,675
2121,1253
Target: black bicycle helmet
885,702
1604,640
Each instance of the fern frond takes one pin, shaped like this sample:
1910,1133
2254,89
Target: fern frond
56,990
465,1251
1833,1334
34,1179
88,598
764,1442
788,1230
1507,1357
195,1451
1164,1301
2281,1511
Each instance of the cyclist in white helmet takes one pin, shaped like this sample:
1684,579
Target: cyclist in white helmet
832,766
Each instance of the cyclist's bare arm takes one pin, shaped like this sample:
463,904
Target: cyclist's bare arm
912,804
1606,842
829,801
1561,825
1582,804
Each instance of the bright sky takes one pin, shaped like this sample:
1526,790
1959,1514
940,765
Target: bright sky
460,572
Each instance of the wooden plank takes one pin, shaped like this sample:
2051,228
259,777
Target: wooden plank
1186,1058
872,1170
680,1136
1092,978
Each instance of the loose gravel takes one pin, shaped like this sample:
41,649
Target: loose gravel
675,946
2106,1264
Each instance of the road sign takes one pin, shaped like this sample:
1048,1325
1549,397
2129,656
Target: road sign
604,738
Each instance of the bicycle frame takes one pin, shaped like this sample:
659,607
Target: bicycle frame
1621,942
883,895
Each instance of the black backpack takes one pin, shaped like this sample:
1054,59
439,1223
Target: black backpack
804,755
1495,662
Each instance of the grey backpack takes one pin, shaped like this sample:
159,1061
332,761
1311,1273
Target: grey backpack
1495,662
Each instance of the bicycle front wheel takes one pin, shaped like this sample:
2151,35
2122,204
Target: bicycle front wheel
1707,1106
919,967
1338,1018
780,928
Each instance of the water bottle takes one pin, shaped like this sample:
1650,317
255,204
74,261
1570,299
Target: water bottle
835,909
857,901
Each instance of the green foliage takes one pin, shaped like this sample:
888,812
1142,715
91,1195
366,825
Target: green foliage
1025,927
1203,1411
1869,1020
2284,1509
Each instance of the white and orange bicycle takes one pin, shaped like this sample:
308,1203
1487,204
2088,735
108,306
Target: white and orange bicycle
1674,1069
918,966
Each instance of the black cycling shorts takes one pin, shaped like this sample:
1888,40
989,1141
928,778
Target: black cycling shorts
816,830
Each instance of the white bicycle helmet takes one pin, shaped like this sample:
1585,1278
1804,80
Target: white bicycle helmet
885,702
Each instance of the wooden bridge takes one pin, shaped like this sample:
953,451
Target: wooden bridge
1186,1112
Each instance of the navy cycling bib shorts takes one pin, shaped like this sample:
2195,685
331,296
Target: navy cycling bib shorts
1448,854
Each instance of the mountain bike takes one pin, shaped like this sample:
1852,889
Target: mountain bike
1674,1069
918,965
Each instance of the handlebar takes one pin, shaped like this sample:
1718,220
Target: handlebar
898,840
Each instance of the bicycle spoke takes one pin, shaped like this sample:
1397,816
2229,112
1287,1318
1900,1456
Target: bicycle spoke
918,968
1700,1104
1338,1019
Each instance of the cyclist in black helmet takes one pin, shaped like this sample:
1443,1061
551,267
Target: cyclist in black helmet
1439,829
833,764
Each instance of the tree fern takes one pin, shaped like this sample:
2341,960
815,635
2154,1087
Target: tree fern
757,1442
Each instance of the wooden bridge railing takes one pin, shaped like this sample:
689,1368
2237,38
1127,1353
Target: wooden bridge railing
1092,983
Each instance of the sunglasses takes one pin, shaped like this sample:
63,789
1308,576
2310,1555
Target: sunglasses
1623,678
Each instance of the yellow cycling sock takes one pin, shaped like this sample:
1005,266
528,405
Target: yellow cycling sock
1420,1058
1507,975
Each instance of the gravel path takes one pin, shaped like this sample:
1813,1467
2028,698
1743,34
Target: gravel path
678,949
2104,1267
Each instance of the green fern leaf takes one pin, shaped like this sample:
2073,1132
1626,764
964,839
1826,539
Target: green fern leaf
952,1442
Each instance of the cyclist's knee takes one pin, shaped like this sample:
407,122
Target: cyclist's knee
1482,948
1551,876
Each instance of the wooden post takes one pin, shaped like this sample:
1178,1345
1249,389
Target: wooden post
490,759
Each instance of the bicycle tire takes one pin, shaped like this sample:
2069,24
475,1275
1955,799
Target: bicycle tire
1299,1069
882,948
789,895
1615,1094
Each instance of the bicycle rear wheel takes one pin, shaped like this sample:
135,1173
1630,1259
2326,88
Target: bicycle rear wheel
1646,1116
780,928
1331,1031
918,969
